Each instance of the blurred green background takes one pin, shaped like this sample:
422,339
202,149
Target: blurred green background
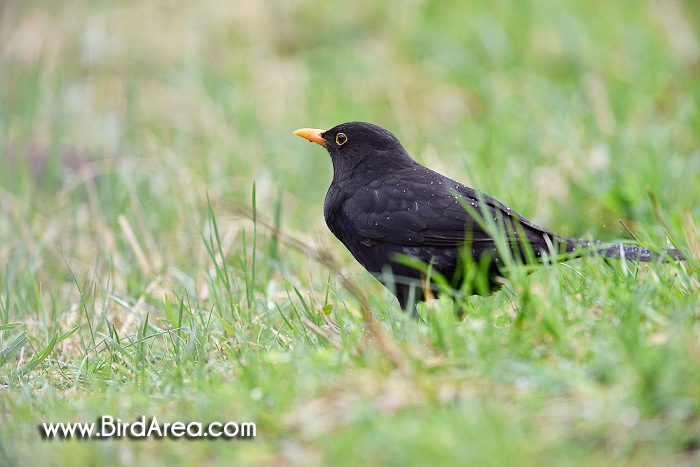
119,119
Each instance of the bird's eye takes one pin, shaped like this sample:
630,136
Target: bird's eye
340,139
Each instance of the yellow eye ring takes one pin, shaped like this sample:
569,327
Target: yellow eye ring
341,139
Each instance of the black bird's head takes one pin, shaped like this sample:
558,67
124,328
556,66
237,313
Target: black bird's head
359,147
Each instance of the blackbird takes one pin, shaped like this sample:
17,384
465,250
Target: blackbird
386,208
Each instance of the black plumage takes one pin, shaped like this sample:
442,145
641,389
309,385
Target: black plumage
384,206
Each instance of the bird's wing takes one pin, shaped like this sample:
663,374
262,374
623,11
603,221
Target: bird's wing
434,214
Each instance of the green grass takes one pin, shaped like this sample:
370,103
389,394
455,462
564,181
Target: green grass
163,251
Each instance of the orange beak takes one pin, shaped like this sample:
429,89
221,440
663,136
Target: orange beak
312,135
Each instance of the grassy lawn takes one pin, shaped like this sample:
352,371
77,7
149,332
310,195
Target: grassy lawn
163,251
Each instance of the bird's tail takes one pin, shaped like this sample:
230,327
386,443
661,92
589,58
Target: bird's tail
620,251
